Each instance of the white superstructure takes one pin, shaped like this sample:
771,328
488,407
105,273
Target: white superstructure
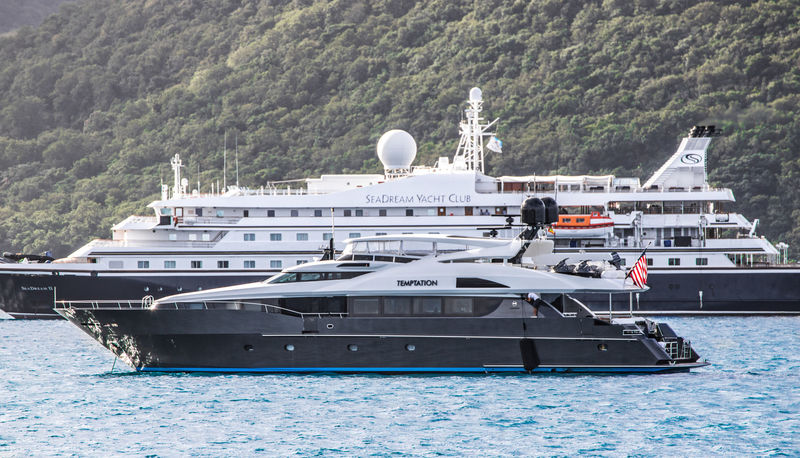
676,213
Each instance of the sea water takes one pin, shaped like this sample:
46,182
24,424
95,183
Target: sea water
59,395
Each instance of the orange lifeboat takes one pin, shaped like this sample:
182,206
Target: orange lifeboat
578,226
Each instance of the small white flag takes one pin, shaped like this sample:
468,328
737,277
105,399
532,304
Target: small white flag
495,144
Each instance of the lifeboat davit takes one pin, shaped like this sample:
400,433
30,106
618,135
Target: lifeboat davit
581,226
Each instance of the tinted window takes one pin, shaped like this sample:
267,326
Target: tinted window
397,306
427,306
458,306
365,306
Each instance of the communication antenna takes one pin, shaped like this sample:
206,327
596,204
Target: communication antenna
470,147
225,162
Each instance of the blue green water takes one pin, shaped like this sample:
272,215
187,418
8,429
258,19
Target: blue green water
59,396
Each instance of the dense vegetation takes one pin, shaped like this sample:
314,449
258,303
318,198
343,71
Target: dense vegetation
17,13
95,100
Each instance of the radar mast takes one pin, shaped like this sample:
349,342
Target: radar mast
470,147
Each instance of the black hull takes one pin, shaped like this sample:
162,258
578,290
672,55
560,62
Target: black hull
32,296
242,341
725,292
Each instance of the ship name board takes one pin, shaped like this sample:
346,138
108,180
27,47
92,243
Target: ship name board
417,282
418,198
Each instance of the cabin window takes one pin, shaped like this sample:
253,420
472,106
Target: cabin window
166,211
246,213
197,264
198,211
249,237
220,213
301,261
365,306
192,237
275,264
206,236
327,236
317,213
701,261
427,306
409,212
294,213
397,306
580,220
382,212
275,237
649,261
270,213
467,211
250,264
173,237
222,264
348,213
302,236
359,212
354,235
674,261
143,264
380,233
458,306
169,264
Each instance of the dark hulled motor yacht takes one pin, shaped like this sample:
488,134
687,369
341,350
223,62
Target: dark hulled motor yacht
396,304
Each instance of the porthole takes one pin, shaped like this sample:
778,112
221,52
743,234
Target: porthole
411,347
180,288
352,347
602,347
329,325
147,288
289,347
248,348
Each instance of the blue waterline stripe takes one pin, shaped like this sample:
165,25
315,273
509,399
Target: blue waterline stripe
411,369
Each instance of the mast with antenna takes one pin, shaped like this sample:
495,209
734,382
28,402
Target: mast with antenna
470,147
225,162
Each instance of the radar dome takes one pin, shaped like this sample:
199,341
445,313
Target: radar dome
475,94
397,149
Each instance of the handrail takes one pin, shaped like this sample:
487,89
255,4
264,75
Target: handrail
144,304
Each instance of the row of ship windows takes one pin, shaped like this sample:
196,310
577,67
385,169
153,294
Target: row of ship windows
301,236
278,264
197,264
675,261
440,211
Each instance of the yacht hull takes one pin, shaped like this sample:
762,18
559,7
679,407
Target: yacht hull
248,341
31,295
732,291
725,291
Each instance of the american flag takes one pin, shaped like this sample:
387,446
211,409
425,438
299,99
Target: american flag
638,272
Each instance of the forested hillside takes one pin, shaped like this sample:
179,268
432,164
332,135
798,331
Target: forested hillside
17,13
95,100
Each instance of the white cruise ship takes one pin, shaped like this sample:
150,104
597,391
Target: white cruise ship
703,257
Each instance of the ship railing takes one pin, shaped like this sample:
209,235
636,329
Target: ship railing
147,302
678,349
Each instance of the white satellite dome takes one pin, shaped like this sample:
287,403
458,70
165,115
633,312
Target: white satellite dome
397,149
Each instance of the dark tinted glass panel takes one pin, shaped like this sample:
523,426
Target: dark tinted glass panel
310,276
397,306
427,306
458,306
365,306
384,258
315,304
477,283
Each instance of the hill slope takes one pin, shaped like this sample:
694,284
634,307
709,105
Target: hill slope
95,100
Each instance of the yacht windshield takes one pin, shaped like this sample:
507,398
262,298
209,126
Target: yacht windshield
402,247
